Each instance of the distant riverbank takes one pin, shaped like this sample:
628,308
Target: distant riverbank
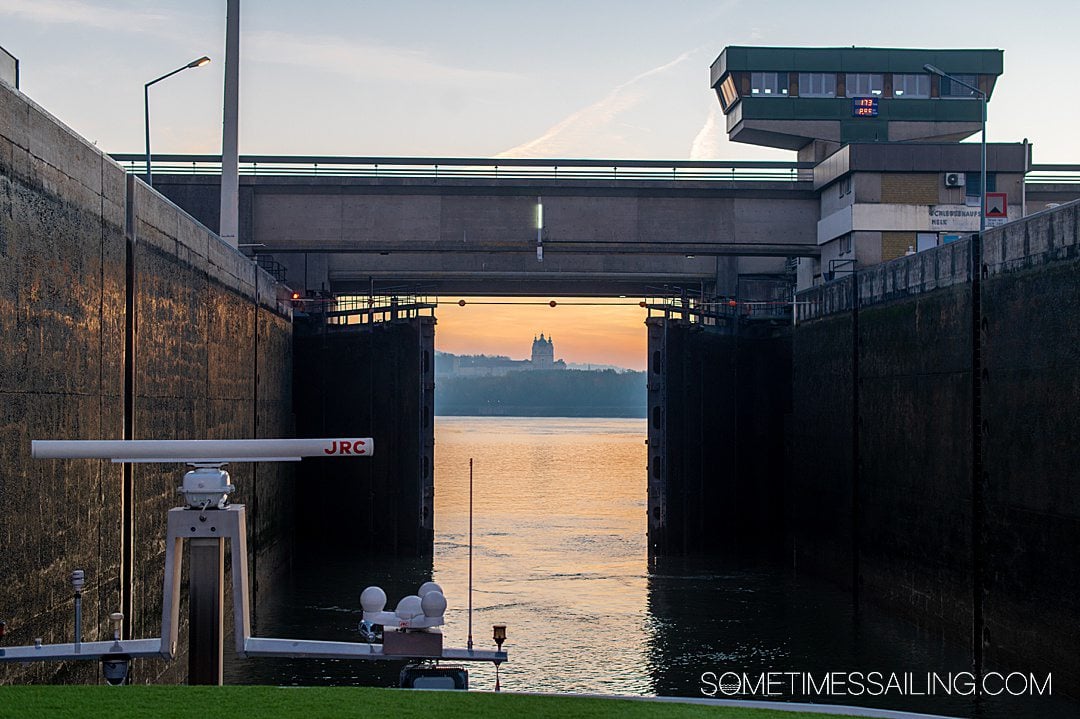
556,393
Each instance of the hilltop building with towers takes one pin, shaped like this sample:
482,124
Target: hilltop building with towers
543,358
543,354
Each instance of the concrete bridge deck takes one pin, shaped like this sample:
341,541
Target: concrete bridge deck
469,226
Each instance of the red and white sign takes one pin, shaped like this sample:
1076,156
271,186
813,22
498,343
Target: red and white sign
997,205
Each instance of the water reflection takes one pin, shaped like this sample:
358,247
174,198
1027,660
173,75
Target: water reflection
560,558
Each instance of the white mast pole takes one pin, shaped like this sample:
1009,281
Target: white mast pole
230,158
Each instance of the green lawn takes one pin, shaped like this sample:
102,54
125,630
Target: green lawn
181,702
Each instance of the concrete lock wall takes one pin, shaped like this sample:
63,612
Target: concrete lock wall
210,356
941,481
718,399
360,381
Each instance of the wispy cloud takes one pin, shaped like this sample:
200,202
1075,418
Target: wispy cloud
73,12
577,130
328,53
706,144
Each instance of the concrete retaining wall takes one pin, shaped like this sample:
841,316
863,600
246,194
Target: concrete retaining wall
945,471
211,358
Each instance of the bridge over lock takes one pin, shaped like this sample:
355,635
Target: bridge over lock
508,226
503,226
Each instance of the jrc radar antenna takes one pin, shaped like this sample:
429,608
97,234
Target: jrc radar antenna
207,485
206,521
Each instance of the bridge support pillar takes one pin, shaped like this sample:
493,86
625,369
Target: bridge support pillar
727,276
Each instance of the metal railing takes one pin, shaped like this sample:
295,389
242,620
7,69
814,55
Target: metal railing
517,168
274,268
1053,174
705,309
437,168
363,310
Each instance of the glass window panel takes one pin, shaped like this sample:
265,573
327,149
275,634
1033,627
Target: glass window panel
817,84
971,183
728,94
768,84
911,86
955,89
864,84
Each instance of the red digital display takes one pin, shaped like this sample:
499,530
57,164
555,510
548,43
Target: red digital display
864,107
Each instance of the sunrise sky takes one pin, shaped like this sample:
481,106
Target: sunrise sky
490,78
582,331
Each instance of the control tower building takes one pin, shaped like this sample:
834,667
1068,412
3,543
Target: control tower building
881,132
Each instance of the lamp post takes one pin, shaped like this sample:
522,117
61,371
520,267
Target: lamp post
982,172
146,104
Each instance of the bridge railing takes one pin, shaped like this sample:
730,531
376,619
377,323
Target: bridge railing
1053,174
357,309
478,168
718,310
517,168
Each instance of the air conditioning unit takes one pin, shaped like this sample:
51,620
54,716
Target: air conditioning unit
954,179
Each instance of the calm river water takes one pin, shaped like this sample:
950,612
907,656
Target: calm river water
560,558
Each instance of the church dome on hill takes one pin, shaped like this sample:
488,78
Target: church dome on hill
543,353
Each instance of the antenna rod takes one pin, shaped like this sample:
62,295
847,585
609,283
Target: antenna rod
470,549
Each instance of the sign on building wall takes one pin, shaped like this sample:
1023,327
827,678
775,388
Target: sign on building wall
894,217
864,107
954,218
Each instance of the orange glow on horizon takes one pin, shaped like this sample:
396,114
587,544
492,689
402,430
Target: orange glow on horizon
605,331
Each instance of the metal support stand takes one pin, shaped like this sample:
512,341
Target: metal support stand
207,530
208,521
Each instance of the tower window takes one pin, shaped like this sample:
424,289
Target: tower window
911,86
768,84
727,92
817,84
864,84
955,89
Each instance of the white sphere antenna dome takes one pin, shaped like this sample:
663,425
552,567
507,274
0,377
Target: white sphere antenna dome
428,587
409,607
433,604
373,599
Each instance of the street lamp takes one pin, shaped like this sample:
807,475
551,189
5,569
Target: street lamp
982,173
146,103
